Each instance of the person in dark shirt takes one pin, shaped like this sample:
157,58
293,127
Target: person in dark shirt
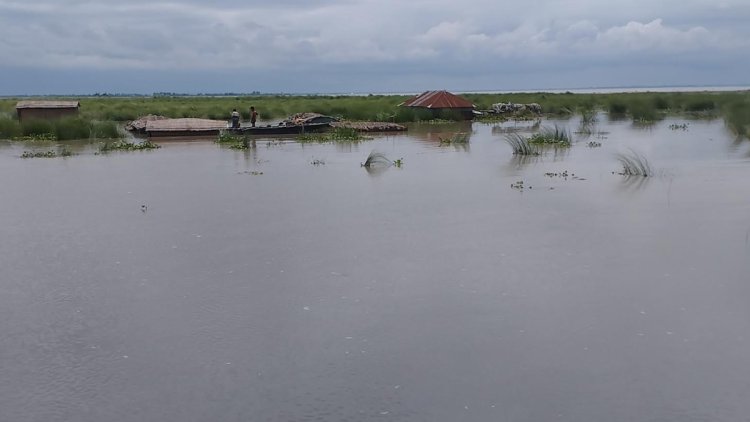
253,116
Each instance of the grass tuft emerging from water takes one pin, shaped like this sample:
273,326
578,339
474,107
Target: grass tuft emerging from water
339,134
634,164
128,146
552,136
46,154
521,145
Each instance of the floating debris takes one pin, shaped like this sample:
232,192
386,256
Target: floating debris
518,185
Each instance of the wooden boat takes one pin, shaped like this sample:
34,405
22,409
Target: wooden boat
281,129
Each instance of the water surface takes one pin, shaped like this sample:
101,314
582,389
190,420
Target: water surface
259,286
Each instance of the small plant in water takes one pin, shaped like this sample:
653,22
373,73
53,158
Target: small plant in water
520,145
675,126
234,141
128,146
46,154
38,137
634,164
377,159
398,162
518,185
340,134
553,136
458,138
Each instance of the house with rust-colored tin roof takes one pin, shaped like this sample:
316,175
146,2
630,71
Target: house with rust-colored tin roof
46,109
441,103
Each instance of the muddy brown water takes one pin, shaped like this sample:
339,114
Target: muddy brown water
257,286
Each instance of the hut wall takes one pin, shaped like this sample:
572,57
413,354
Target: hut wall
466,113
45,113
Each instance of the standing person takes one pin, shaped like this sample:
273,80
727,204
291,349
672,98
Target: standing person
235,119
253,116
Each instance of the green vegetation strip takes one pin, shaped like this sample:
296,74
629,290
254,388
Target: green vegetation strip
733,106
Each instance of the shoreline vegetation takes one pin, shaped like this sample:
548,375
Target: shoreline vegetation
102,117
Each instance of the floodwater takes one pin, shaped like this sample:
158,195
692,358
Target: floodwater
258,286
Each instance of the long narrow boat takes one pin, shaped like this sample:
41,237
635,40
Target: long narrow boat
281,129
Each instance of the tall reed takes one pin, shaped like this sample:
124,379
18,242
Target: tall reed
634,164
520,145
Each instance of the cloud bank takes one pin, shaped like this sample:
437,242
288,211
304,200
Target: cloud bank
338,45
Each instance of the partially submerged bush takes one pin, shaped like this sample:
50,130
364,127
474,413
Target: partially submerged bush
644,112
9,128
105,130
617,108
738,118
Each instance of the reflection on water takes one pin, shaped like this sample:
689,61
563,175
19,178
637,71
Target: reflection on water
258,286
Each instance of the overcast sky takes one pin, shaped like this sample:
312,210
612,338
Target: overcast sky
327,46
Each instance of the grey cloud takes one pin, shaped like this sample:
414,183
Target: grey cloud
436,40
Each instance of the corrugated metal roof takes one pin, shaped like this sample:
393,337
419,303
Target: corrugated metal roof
187,125
438,99
47,104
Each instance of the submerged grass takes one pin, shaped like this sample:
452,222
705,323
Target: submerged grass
556,135
339,134
233,141
521,145
128,146
378,159
456,138
737,118
634,164
46,154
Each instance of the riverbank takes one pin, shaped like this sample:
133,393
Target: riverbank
734,106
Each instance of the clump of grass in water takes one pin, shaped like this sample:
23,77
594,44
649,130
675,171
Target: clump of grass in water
128,146
552,136
228,138
634,164
233,141
46,154
39,137
340,134
588,122
105,130
378,159
520,145
458,138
